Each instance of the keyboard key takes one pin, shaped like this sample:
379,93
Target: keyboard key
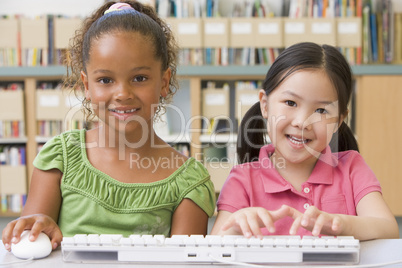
93,239
80,239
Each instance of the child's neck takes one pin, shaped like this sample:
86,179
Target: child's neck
294,173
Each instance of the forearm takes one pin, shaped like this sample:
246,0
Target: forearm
368,227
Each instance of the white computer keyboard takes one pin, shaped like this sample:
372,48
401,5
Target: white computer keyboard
210,249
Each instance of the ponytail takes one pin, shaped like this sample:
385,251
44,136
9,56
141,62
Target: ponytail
343,140
251,135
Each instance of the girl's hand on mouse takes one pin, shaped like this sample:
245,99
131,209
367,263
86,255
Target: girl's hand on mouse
317,222
36,223
249,221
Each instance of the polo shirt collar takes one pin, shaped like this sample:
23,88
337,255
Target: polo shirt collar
273,182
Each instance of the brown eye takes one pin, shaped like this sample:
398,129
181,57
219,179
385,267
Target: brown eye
321,111
105,80
140,78
290,103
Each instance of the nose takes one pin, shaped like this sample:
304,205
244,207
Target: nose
304,120
124,91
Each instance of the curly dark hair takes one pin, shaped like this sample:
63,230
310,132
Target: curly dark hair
144,20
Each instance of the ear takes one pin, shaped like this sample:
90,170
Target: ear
165,82
84,79
263,103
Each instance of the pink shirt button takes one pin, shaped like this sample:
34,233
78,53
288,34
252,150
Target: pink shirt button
306,190
306,206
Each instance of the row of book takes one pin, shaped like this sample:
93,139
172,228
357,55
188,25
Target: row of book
35,42
228,56
382,33
12,202
49,128
43,41
12,129
12,155
367,28
11,86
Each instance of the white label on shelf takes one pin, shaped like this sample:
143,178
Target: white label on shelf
241,28
294,27
248,99
268,28
348,28
214,28
49,101
187,28
321,28
215,99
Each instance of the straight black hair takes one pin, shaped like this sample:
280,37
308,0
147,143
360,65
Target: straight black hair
306,55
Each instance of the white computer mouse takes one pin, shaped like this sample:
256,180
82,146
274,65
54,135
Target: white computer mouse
26,249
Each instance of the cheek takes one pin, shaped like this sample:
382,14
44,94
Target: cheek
276,118
325,130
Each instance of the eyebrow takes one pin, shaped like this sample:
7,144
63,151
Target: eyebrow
291,93
134,69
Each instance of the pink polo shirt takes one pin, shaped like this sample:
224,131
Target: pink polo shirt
336,185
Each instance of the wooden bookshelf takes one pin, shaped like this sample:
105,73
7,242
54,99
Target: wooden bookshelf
377,91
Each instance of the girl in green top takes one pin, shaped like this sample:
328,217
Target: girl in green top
120,177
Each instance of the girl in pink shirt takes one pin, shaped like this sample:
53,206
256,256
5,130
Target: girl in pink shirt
310,180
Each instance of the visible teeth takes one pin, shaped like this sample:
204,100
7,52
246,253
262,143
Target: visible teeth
297,141
123,112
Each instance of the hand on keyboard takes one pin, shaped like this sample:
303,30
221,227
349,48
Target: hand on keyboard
317,222
249,221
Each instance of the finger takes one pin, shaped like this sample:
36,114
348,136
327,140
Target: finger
244,227
295,226
254,221
7,235
56,238
319,223
266,219
336,225
309,216
293,213
21,225
36,229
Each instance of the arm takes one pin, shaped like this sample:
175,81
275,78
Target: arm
374,220
41,210
189,218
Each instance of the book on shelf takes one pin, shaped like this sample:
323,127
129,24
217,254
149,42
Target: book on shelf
12,129
10,50
12,202
12,177
12,124
12,155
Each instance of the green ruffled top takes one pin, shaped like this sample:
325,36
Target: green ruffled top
95,203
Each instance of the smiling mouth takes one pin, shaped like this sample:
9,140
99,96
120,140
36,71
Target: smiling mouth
297,141
123,111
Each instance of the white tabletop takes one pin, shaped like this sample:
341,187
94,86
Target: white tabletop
372,252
